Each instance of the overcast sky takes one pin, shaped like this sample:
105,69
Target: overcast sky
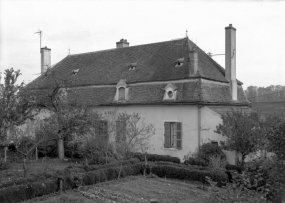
86,26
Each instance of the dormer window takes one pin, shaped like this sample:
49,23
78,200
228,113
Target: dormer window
74,72
170,92
179,62
132,66
122,91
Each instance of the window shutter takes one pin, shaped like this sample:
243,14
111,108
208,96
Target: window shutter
121,127
105,131
167,141
179,135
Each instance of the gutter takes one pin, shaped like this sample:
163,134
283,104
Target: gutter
199,125
176,103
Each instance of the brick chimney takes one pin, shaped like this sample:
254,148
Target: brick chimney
193,65
231,59
45,59
122,43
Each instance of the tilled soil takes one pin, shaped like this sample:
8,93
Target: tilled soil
133,189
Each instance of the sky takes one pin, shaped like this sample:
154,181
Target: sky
90,25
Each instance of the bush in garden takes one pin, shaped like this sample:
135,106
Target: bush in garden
217,163
187,174
261,181
156,157
208,149
236,168
20,193
195,161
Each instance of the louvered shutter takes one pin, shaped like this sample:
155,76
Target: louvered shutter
105,131
167,136
179,135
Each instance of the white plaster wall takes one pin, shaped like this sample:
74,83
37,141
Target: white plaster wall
157,115
210,119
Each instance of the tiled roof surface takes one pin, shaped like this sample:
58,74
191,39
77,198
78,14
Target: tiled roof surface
224,110
155,62
189,92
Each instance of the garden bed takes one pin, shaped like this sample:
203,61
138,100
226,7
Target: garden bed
133,189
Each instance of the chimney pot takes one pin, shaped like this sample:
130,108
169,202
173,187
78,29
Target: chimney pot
122,43
45,59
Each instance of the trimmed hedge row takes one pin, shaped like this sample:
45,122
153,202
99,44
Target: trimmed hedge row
188,174
23,192
87,168
195,167
102,175
196,161
239,169
20,193
156,157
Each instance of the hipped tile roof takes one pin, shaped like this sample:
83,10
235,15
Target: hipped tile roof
155,62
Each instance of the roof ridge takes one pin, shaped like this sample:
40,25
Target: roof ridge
105,50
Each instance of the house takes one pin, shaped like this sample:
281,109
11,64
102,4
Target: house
173,84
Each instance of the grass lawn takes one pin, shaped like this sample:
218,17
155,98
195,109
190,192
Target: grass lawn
132,189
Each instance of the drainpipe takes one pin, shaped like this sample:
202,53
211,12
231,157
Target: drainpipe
199,125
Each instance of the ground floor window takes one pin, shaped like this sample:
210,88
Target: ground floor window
101,129
173,135
121,131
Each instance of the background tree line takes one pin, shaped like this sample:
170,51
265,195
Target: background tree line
272,93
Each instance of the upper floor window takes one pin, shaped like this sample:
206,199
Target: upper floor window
122,93
170,92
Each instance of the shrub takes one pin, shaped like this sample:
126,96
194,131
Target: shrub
188,174
102,175
156,157
236,168
3,165
208,149
20,193
217,163
195,161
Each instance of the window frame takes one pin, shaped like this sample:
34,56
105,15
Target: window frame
178,133
101,129
124,93
121,136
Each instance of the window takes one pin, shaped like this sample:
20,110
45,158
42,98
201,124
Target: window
173,135
101,130
215,143
170,92
121,93
121,127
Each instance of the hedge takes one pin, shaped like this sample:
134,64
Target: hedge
20,193
188,174
156,157
102,175
239,169
23,192
196,167
88,168
196,161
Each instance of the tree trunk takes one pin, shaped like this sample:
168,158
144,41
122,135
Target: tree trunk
60,148
5,154
25,166
36,154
